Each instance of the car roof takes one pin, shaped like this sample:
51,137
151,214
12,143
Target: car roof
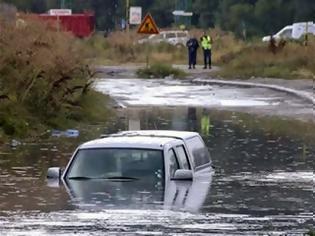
146,139
128,142
159,133
174,32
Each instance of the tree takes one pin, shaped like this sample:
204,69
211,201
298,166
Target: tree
271,15
162,13
204,13
257,17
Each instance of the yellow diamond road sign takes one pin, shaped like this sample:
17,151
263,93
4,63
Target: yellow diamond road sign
148,26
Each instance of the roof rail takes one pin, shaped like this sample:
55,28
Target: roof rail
135,134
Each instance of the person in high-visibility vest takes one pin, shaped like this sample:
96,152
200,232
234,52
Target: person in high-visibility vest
206,44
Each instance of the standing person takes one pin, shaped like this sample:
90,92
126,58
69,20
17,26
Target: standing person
206,44
192,45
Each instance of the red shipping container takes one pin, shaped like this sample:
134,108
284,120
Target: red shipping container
81,25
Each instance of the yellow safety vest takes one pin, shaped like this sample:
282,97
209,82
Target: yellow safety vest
206,42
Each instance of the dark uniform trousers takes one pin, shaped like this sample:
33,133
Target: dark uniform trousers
207,57
192,55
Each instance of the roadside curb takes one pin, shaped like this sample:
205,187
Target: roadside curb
300,94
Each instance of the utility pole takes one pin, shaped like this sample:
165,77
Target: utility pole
306,35
62,4
127,15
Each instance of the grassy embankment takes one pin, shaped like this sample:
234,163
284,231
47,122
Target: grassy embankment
293,61
44,81
236,57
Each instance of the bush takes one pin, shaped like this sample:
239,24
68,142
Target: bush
43,73
311,233
160,70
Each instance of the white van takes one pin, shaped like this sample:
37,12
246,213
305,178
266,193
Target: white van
174,37
295,31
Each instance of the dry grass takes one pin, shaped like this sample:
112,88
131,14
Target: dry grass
120,47
224,44
255,59
238,58
43,75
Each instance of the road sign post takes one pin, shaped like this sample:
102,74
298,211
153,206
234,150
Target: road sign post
306,35
127,15
148,26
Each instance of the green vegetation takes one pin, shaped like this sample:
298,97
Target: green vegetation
44,80
311,233
160,71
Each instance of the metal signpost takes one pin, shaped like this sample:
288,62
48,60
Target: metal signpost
127,15
148,26
306,35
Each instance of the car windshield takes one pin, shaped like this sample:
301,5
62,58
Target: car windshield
117,163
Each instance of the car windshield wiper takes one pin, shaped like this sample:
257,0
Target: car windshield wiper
111,178
122,177
80,177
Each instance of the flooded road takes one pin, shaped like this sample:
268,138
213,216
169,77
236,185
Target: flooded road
170,92
263,185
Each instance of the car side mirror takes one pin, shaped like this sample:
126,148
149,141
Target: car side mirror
182,174
54,173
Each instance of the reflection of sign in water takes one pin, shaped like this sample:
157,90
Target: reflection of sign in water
148,26
135,15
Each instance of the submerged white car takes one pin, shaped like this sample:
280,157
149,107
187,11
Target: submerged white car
138,155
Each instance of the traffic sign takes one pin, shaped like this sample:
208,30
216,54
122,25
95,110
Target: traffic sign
135,15
148,26
60,12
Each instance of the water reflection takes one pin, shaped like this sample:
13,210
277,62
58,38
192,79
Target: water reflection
264,181
142,194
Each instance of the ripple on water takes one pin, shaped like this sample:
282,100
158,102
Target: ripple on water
277,177
158,222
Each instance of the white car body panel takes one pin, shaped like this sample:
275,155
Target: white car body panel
294,31
149,139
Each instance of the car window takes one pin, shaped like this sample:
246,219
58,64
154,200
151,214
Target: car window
158,37
107,163
198,151
171,35
286,33
173,162
181,35
182,157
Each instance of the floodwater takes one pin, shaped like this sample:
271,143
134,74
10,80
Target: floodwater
170,92
263,184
